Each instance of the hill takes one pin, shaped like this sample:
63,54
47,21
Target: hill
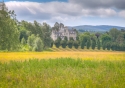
97,28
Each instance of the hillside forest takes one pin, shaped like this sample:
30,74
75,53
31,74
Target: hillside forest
26,36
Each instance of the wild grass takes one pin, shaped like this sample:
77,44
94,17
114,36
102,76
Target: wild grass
21,56
63,69
62,73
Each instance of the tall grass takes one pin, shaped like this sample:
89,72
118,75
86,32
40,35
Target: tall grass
62,73
21,56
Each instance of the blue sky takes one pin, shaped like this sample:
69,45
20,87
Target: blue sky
70,12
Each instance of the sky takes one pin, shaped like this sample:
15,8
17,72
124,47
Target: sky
70,12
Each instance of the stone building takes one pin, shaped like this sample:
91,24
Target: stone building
62,31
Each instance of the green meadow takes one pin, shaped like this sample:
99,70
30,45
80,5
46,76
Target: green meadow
62,73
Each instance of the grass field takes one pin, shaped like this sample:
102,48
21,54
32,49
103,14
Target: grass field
17,56
63,69
62,73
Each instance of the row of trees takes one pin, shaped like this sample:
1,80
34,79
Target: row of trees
59,42
112,40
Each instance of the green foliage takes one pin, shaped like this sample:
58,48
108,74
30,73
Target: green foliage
113,46
85,40
65,38
98,44
23,41
42,30
88,44
38,44
77,38
9,34
31,40
64,43
46,32
104,45
35,43
105,41
52,44
23,33
25,48
70,43
105,38
93,44
108,45
114,34
76,44
57,43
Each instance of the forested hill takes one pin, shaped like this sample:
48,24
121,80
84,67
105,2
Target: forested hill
98,28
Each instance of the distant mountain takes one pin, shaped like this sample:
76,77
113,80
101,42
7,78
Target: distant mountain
99,28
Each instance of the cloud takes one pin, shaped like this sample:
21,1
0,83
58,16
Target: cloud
122,13
51,9
99,12
71,11
119,4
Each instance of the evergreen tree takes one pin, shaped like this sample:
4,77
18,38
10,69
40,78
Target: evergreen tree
57,42
88,44
76,44
63,43
93,44
98,44
65,38
83,40
70,43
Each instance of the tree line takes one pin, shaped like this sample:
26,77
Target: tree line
112,40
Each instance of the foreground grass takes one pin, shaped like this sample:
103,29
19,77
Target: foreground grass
63,73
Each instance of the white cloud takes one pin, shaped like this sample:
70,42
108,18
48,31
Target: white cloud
99,12
122,13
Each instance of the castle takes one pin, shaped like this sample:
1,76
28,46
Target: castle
61,31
